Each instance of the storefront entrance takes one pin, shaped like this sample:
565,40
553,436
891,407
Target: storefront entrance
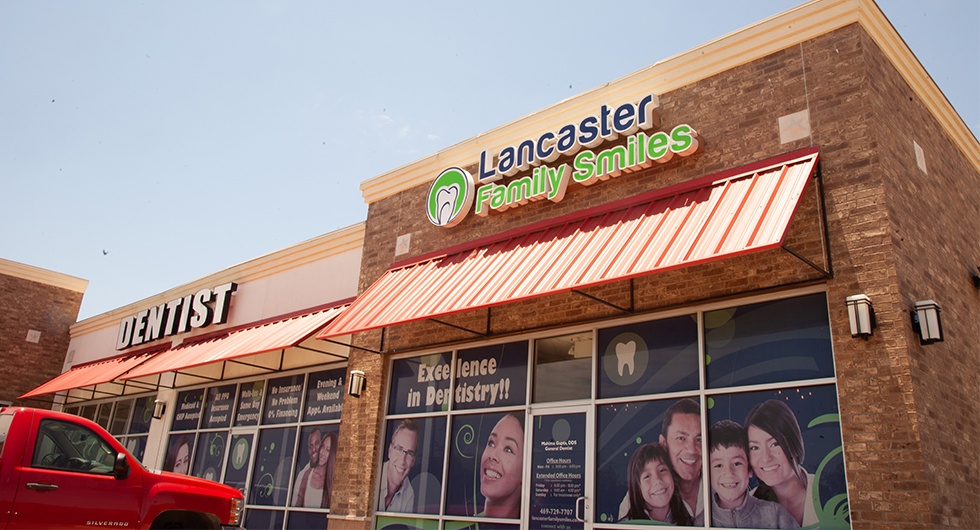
560,484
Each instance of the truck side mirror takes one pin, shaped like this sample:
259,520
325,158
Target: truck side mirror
120,469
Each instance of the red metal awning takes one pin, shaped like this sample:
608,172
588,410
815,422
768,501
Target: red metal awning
253,340
731,213
90,374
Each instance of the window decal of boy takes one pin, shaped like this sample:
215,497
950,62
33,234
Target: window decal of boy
731,504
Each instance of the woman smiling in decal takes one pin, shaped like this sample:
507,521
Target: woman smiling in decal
502,468
776,454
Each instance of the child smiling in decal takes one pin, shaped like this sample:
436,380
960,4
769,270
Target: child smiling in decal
652,493
731,505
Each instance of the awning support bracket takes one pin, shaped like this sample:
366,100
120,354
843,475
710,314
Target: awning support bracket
187,374
338,343
627,310
142,386
824,233
251,365
818,268
307,348
461,328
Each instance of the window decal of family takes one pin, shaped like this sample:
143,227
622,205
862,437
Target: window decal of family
756,473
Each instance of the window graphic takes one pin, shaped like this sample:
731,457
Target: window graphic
644,439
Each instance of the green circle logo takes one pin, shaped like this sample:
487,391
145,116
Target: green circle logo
450,197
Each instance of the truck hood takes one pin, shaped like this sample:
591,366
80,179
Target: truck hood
195,482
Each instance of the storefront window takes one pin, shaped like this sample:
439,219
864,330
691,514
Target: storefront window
239,453
275,439
486,465
491,376
686,402
139,425
411,473
790,441
120,417
218,406
420,384
103,415
249,408
128,420
563,368
270,478
647,358
768,342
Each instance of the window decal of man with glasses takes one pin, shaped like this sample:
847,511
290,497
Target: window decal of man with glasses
397,494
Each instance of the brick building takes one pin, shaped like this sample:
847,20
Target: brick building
739,237
39,306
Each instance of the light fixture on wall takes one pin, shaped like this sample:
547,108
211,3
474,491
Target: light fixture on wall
356,384
927,322
976,279
861,315
159,408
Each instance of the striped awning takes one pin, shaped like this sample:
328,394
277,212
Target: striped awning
727,214
271,336
90,374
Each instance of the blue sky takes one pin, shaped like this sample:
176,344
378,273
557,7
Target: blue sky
148,144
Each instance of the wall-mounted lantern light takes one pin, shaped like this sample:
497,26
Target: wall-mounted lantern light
356,384
159,408
861,315
927,322
976,279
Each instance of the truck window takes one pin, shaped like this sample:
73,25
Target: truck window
71,447
4,427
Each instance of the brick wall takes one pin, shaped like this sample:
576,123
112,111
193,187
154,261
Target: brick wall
895,396
934,229
28,305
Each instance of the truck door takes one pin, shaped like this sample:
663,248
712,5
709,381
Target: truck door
66,481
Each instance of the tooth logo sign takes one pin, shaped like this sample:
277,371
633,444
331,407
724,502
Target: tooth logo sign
626,358
450,197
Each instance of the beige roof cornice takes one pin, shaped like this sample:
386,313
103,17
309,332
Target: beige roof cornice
321,247
775,33
39,275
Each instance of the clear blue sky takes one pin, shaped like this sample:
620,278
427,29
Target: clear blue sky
148,144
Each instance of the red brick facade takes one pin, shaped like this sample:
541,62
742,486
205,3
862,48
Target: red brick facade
31,305
909,417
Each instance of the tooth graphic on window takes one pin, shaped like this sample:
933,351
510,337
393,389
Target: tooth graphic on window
240,452
625,353
445,202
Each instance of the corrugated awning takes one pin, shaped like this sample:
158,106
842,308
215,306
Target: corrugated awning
90,374
727,214
263,338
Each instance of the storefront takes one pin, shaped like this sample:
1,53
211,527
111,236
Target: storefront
565,421
223,378
737,288
647,288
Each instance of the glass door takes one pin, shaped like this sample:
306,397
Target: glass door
560,473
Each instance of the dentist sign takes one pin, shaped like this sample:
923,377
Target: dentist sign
525,172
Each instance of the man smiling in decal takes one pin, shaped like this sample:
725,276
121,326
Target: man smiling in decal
502,467
397,493
681,436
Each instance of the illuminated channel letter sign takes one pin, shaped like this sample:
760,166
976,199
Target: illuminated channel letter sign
198,310
455,191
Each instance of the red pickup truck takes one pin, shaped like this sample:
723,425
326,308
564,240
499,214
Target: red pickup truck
62,471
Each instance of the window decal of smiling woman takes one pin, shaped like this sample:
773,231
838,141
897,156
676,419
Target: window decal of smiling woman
502,467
